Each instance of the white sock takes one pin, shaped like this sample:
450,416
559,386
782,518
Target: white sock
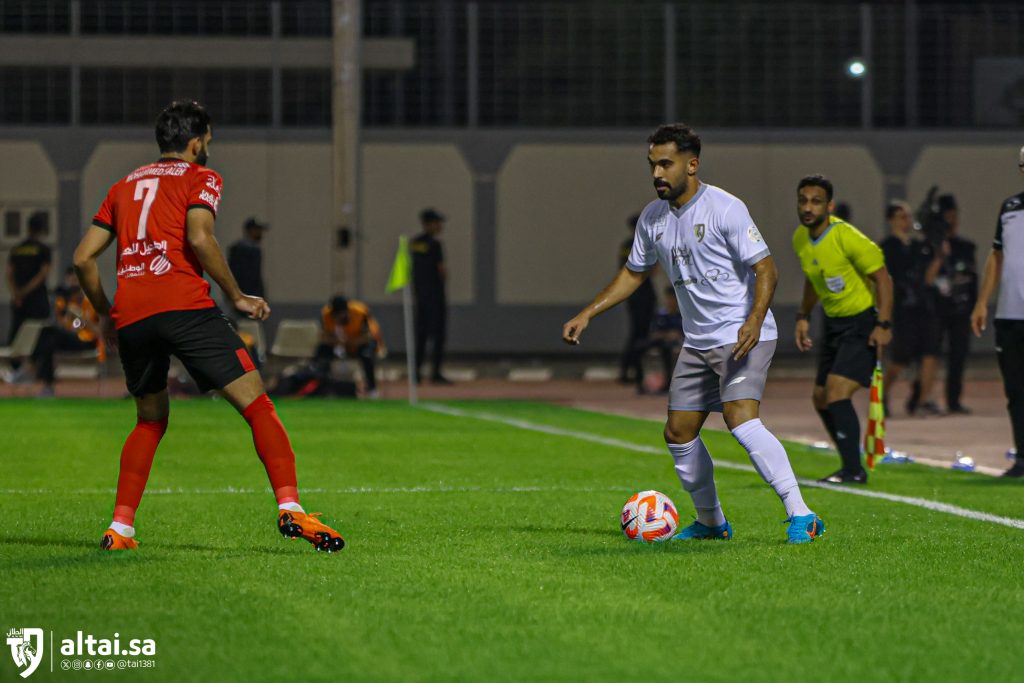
123,529
772,463
697,473
292,507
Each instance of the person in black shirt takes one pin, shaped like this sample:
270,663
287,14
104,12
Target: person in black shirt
428,279
640,306
28,266
957,286
913,264
245,259
667,334
1004,272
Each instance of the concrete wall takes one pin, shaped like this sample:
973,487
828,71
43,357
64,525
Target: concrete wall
535,217
397,182
980,176
286,185
28,181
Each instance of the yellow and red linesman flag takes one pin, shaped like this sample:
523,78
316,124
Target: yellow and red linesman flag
874,437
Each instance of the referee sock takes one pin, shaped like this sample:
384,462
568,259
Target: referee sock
697,473
826,419
771,462
847,435
136,462
273,447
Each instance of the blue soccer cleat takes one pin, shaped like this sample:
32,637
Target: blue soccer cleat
701,532
805,528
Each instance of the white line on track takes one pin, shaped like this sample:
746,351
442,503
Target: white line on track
933,505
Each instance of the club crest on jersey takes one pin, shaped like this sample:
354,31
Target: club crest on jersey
698,231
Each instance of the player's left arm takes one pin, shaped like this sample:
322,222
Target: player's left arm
199,227
766,280
880,337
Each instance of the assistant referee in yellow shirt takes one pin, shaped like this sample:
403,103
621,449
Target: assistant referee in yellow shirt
840,263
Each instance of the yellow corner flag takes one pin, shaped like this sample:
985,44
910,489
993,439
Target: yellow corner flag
874,436
401,270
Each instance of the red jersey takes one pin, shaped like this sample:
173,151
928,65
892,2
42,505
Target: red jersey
157,270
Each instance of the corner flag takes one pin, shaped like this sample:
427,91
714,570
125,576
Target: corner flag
874,436
401,274
400,270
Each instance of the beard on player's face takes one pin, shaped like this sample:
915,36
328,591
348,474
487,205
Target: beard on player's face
671,188
202,156
668,191
809,219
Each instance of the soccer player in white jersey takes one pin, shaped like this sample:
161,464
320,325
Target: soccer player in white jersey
724,277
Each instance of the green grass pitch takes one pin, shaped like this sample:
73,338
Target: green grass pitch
479,551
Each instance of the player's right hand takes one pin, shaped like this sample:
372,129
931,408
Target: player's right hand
803,338
253,306
979,316
572,330
108,331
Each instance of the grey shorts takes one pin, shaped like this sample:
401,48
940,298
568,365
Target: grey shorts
703,380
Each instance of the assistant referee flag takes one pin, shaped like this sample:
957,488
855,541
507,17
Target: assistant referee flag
874,436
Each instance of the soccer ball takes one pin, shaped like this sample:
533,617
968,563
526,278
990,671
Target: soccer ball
649,517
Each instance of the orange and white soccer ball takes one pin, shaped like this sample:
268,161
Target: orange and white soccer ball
649,517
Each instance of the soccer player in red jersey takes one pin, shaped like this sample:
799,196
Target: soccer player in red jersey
161,217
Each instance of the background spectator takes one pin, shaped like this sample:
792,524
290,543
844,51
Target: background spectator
667,334
349,329
428,279
245,258
77,328
957,287
28,266
640,307
913,264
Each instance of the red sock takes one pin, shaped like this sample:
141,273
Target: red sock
273,447
136,461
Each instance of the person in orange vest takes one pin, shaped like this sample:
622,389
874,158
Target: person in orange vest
350,329
77,329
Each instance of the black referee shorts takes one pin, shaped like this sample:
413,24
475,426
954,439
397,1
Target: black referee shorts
845,349
203,340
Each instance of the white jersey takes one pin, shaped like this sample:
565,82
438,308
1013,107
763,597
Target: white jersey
706,248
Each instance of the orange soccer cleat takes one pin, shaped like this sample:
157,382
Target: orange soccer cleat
114,541
300,525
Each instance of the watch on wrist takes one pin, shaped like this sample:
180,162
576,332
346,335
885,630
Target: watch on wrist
802,316
884,324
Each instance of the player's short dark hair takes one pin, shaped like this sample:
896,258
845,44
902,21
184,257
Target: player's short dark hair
817,180
339,303
894,206
686,138
181,121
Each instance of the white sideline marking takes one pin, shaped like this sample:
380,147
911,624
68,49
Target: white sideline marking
441,488
932,505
